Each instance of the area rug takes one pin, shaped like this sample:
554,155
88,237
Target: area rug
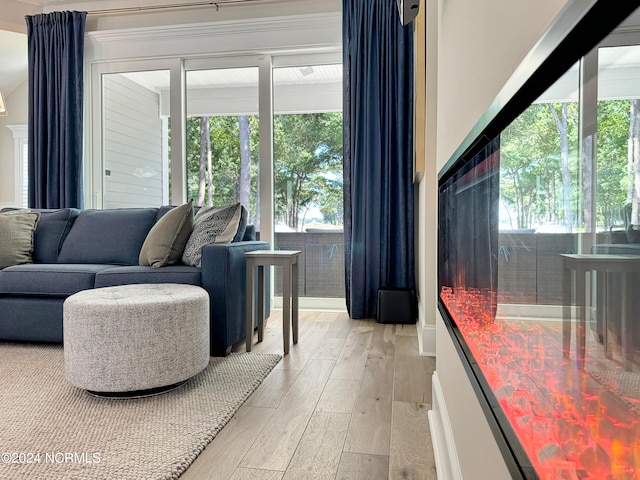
623,384
52,430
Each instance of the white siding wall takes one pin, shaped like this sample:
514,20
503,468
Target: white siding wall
133,150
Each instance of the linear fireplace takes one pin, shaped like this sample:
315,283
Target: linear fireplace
539,258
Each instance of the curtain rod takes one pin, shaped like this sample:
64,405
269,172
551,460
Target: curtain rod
215,3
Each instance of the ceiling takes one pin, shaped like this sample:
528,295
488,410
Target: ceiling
13,44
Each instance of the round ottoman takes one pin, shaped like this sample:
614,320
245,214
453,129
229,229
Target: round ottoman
132,340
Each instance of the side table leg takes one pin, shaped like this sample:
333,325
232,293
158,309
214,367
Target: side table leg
261,284
286,307
249,304
294,301
625,331
566,311
581,326
605,314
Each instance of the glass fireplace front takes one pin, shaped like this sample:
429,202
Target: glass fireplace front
539,271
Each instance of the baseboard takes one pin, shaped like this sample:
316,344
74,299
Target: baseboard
316,303
444,447
440,454
536,313
507,311
427,340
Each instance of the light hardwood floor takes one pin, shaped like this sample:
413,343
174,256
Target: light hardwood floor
349,401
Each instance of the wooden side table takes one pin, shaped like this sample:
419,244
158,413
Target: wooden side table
288,260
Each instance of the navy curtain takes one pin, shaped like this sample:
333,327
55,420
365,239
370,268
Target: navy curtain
55,53
378,153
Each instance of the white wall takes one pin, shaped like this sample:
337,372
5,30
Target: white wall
480,44
17,108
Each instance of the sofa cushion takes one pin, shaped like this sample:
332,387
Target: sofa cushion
112,236
53,227
48,279
125,275
167,238
242,225
211,225
51,230
249,234
16,237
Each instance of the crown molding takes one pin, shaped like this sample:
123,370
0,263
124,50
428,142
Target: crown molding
312,32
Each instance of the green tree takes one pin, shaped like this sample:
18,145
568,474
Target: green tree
613,135
222,164
534,152
232,168
307,156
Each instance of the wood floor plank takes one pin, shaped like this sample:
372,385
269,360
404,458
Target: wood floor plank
318,454
273,389
279,425
411,451
412,378
339,396
341,326
370,428
353,357
359,466
279,439
330,348
384,339
253,474
305,349
272,340
230,444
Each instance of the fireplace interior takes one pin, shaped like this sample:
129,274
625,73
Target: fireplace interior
539,264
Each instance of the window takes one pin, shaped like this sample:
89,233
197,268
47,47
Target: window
307,151
222,137
221,134
242,74
21,154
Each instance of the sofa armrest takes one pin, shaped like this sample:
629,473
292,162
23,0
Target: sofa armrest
224,278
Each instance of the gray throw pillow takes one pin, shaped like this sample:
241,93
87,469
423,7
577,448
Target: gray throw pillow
211,225
166,240
16,237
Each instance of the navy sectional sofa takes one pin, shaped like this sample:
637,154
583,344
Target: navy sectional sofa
76,250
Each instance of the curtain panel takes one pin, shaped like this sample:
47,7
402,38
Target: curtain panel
378,153
55,94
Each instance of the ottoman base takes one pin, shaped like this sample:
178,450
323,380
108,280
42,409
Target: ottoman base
149,392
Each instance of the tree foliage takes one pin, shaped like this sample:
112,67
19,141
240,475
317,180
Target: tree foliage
543,180
531,165
307,164
613,137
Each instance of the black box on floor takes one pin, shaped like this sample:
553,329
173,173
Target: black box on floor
397,305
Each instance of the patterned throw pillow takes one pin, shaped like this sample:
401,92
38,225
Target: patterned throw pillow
211,225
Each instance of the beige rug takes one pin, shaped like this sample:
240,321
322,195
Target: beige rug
52,430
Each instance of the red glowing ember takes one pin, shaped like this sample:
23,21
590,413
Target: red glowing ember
570,426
